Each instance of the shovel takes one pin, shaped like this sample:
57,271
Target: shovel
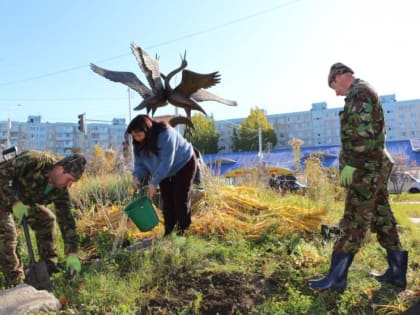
36,274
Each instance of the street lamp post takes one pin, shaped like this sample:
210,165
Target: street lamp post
129,105
260,151
9,127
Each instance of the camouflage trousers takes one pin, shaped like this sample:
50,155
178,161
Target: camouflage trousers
367,206
43,223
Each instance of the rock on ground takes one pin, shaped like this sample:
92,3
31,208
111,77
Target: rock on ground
24,299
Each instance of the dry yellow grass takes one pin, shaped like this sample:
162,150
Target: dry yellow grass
222,209
249,211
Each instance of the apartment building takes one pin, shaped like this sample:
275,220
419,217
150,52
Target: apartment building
62,137
320,125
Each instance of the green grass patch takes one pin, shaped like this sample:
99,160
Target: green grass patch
230,273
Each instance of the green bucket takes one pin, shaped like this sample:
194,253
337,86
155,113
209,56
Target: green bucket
142,213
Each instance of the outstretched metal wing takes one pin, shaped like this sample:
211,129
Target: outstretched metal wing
203,95
127,78
191,82
150,68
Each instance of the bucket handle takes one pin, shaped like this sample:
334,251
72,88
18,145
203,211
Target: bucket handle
139,193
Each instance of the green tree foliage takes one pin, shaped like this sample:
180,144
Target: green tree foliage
246,137
204,136
101,162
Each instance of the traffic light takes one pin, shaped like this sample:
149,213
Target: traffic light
81,122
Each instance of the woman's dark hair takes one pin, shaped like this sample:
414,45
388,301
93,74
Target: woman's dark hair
151,129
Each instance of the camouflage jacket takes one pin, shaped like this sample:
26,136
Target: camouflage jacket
362,128
24,178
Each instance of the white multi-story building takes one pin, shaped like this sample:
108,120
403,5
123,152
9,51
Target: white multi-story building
321,126
62,137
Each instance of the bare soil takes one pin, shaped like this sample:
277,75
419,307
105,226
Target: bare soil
209,293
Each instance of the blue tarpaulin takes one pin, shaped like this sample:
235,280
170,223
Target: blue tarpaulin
222,163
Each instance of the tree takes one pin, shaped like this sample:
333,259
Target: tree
246,137
204,137
398,172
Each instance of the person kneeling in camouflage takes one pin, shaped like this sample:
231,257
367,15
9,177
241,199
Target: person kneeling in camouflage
29,182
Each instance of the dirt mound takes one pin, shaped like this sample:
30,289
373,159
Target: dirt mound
209,293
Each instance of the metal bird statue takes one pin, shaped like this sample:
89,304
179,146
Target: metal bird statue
192,89
185,95
180,96
175,120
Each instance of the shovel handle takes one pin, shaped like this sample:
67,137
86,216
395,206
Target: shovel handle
24,218
28,240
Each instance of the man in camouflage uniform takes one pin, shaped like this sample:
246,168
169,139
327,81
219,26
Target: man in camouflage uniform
28,182
365,167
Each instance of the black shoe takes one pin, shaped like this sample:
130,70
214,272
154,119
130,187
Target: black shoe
337,275
397,270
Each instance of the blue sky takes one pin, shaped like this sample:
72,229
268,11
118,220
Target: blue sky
270,54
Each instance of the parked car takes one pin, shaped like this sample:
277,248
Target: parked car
403,182
290,183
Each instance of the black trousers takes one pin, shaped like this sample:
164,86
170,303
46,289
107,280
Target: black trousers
176,198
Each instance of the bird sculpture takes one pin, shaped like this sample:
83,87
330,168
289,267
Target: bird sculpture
180,96
192,89
185,95
150,67
153,97
175,120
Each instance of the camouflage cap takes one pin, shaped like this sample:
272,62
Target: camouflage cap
73,164
337,68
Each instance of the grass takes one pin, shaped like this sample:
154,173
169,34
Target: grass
407,203
225,264
405,197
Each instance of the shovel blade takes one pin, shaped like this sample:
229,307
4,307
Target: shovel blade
36,275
